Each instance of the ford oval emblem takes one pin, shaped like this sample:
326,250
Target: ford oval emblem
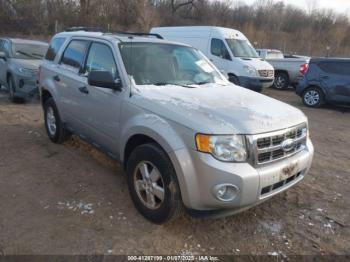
287,145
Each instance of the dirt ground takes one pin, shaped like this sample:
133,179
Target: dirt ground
72,199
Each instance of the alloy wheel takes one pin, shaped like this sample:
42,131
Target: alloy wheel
312,97
149,185
51,121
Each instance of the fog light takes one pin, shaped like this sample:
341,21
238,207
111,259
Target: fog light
225,192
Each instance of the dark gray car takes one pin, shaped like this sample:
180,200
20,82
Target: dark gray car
327,80
19,63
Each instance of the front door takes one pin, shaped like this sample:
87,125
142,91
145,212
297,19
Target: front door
100,107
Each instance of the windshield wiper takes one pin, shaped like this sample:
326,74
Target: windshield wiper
165,83
26,54
202,83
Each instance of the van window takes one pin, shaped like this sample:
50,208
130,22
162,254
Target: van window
54,47
336,67
219,49
100,58
73,56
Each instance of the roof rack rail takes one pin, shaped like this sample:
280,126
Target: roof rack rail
138,34
85,28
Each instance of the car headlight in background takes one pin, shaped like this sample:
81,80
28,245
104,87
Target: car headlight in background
228,148
25,71
250,70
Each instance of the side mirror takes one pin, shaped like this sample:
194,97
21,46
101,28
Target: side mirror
3,55
104,79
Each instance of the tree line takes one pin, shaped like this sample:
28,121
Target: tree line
267,23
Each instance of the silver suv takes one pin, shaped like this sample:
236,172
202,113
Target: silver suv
187,137
19,63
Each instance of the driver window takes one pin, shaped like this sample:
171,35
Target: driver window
219,49
100,58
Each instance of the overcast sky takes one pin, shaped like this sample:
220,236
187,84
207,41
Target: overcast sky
342,6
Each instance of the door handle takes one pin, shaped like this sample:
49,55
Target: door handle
56,78
325,77
84,89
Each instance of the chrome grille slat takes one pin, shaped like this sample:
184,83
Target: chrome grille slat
266,73
267,147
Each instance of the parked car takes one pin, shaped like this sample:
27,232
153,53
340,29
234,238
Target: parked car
286,69
186,136
19,63
228,49
326,80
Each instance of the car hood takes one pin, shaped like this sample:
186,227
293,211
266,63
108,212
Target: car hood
258,63
27,63
217,109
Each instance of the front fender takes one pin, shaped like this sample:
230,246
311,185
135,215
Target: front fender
164,132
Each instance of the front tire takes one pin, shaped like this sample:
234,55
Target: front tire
53,124
153,184
234,79
11,89
313,97
281,81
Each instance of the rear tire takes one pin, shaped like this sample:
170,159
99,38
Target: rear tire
53,124
281,81
313,97
153,184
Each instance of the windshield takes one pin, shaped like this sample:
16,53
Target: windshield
28,51
241,48
274,55
163,64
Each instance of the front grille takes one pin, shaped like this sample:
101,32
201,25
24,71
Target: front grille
277,185
278,145
267,73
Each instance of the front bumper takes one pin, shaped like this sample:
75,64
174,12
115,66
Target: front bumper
26,86
199,173
256,84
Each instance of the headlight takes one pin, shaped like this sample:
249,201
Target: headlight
24,71
250,70
228,148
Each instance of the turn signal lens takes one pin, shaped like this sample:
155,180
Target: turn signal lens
203,143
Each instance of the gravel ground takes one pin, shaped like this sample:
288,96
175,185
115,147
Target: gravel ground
72,199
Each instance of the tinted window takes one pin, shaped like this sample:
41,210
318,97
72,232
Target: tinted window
54,47
219,49
101,58
73,56
336,67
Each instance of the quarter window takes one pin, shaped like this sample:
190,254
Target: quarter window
336,67
74,54
54,47
219,49
100,58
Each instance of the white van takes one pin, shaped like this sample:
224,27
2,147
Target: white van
228,49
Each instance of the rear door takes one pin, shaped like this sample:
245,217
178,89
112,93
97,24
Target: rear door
335,77
69,79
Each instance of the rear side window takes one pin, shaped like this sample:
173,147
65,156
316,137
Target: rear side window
74,54
54,47
219,49
336,67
